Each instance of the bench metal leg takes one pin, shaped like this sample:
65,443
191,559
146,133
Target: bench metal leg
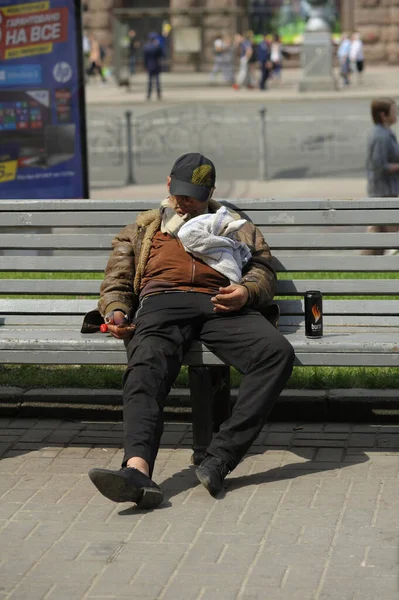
221,395
211,405
201,394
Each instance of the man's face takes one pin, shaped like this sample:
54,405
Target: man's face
184,205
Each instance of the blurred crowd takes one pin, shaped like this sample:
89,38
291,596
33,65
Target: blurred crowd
240,60
264,57
351,57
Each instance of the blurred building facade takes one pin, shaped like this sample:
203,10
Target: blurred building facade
376,20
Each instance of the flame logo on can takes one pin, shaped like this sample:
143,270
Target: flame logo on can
316,313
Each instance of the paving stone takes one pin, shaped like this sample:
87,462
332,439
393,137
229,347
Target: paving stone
22,423
286,517
49,424
321,435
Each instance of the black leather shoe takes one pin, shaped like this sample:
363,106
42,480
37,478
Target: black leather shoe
127,485
211,473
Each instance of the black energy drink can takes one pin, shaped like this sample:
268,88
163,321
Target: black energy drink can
313,314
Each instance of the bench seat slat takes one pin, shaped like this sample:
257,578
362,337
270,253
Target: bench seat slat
362,341
61,346
287,321
45,320
65,338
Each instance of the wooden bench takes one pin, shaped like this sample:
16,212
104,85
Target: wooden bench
312,236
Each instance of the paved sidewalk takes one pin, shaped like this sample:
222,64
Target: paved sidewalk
277,188
196,87
310,514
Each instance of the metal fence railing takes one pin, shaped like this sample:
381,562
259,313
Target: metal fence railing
141,149
244,146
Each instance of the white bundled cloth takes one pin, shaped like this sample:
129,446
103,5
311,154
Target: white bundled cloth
211,237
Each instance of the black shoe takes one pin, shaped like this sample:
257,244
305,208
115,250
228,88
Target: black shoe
127,485
211,473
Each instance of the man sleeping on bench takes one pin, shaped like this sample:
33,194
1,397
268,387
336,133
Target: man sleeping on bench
191,269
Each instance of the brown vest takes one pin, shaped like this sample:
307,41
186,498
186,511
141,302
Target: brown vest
170,267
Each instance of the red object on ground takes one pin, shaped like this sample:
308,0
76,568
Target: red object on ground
104,328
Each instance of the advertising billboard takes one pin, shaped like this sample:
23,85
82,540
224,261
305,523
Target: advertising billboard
43,150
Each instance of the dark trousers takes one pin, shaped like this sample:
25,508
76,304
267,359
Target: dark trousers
264,76
154,75
166,324
94,67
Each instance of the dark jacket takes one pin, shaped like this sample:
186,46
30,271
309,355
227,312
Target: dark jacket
382,150
263,52
153,54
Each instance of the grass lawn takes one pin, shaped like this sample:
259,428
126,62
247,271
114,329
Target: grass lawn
34,376
110,377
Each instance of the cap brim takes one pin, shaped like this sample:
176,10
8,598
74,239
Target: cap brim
184,188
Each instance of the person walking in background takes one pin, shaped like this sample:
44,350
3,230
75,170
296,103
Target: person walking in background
86,51
153,55
218,57
245,50
357,55
343,54
229,55
382,161
134,44
96,59
263,56
253,59
276,57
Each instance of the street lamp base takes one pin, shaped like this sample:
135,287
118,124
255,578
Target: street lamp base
317,63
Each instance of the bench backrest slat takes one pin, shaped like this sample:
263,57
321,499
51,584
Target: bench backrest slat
294,241
317,262
286,321
261,204
292,287
260,218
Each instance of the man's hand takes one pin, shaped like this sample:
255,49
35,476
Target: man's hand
118,326
231,298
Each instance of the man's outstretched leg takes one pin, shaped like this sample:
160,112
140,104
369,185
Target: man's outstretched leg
248,342
155,354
